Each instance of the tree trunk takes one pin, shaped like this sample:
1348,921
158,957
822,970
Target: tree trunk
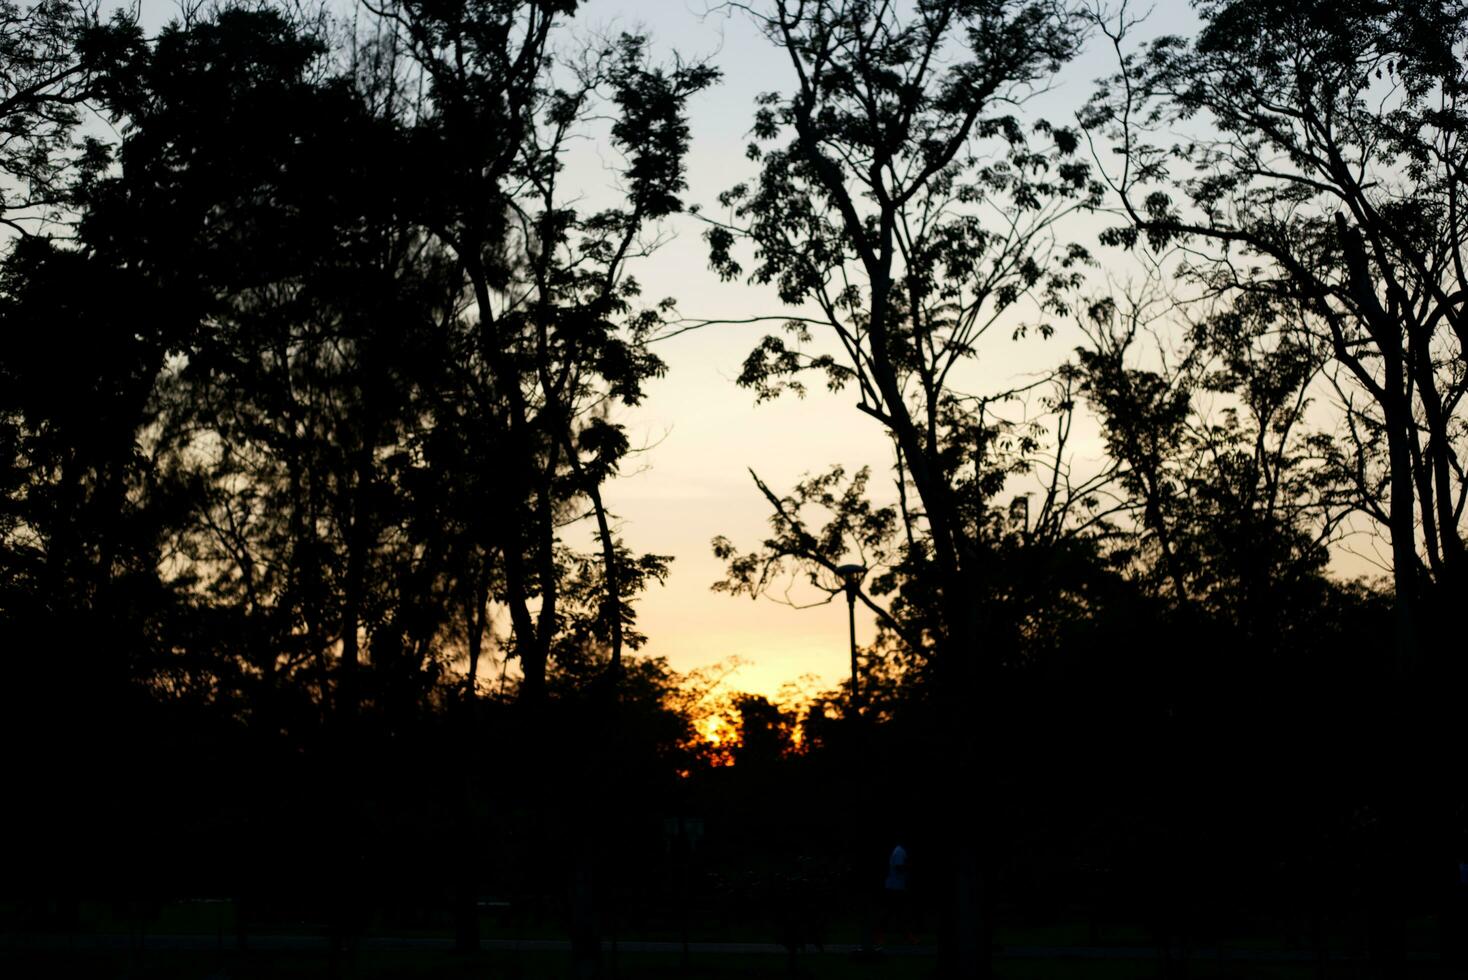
466,867
585,941
969,725
1403,532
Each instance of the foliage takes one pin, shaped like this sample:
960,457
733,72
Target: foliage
308,423
900,199
1235,497
56,58
558,340
1321,175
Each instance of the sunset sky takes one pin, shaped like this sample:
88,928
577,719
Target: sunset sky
701,431
706,432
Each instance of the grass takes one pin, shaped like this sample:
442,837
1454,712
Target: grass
170,965
226,963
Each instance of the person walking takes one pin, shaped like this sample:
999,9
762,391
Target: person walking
896,895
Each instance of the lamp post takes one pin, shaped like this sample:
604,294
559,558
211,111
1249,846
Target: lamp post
851,576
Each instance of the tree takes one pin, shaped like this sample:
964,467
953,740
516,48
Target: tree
56,58
365,456
558,338
555,338
873,214
85,516
902,202
303,330
1322,171
1321,174
1235,497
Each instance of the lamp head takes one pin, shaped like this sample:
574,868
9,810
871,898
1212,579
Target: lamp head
851,575
1019,511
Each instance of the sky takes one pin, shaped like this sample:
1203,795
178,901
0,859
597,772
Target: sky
705,432
701,432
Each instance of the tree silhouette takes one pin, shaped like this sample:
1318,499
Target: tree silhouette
901,200
559,339
56,59
304,319
1324,163
1326,154
1236,496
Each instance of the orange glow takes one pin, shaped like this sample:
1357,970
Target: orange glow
717,737
718,729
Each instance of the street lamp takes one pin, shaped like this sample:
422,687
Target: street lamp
851,576
1019,513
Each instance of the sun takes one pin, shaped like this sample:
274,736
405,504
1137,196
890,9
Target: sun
717,736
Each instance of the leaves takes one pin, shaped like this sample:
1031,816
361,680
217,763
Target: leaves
1323,163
